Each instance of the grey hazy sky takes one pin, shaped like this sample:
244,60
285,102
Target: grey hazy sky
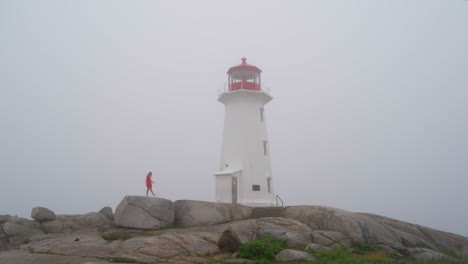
369,111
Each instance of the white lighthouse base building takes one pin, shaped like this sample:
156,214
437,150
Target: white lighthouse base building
245,170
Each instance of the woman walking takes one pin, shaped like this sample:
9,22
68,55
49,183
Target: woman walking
149,183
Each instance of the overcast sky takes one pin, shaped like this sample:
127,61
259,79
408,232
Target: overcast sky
369,109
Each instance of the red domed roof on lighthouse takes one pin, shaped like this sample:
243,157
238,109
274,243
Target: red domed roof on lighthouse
244,77
244,66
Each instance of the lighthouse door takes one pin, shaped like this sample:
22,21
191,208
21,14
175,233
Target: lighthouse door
234,190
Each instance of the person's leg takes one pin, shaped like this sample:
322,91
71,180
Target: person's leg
147,189
152,192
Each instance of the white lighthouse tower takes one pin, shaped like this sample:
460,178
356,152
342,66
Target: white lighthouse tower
245,172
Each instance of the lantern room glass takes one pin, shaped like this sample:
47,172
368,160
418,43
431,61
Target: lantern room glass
244,80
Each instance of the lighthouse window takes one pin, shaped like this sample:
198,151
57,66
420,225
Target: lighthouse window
265,147
256,188
262,117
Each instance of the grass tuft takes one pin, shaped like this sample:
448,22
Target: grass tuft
446,251
168,226
110,236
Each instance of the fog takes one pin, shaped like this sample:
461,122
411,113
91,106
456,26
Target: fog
369,110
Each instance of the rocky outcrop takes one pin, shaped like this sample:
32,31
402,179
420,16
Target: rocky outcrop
4,218
42,214
70,223
457,243
288,255
330,238
210,230
144,213
16,231
190,213
173,245
22,257
107,212
240,232
357,228
425,254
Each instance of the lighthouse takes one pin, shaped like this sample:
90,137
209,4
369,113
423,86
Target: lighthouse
245,170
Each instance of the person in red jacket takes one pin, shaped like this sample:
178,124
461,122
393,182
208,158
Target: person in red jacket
149,183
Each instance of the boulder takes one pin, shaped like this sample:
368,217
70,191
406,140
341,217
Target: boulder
107,212
293,255
232,239
70,223
317,247
190,213
21,227
144,212
42,214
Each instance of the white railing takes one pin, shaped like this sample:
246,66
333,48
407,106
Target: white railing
225,89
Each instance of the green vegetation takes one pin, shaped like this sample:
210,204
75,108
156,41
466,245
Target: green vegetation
168,226
115,236
256,250
362,249
367,254
446,251
262,250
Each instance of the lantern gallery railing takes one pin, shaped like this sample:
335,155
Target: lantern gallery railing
225,89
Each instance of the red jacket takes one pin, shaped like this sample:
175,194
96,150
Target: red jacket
149,182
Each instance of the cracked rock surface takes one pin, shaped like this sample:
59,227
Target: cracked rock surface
144,212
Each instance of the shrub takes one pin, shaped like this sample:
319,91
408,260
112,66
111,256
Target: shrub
337,255
256,250
262,250
362,249
276,244
168,226
116,236
446,251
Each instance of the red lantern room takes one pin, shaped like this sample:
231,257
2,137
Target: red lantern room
244,77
